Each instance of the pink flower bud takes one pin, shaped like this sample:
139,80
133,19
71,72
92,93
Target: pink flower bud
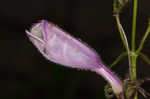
61,48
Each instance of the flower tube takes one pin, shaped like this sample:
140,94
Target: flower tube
61,48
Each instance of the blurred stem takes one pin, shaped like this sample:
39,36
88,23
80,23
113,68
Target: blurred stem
143,39
144,57
119,58
124,40
120,31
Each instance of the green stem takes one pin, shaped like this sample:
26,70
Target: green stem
133,65
134,25
144,57
119,58
134,56
143,39
125,41
121,32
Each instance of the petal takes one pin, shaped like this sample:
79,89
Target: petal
66,50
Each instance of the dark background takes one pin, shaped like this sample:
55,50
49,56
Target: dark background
25,74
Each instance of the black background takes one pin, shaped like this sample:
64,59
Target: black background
25,74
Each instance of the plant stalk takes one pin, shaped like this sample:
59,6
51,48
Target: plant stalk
144,39
125,42
134,73
133,56
134,25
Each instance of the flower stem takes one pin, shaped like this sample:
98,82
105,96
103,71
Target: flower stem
134,25
143,39
125,41
133,65
134,56
121,56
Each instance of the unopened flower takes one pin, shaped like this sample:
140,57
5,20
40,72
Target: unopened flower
61,48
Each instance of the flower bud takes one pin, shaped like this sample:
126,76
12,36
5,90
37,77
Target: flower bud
61,48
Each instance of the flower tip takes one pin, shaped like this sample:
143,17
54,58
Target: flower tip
28,33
